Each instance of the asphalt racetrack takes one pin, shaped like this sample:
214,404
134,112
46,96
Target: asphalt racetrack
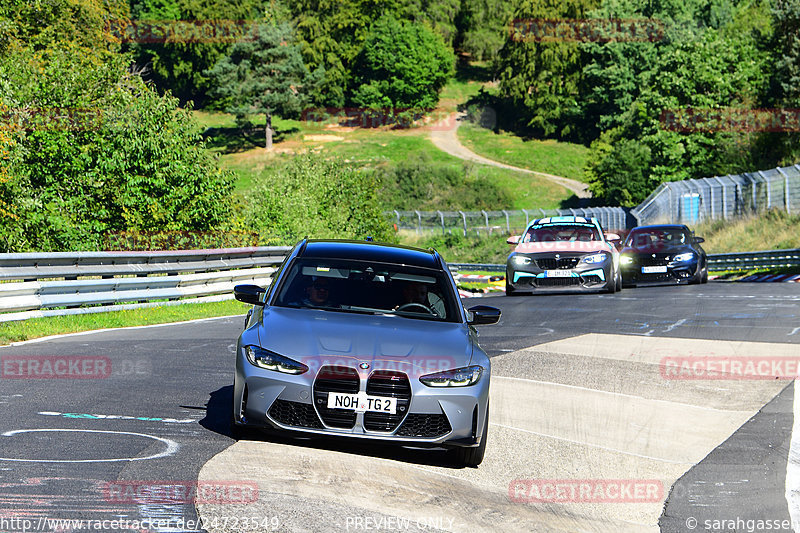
601,419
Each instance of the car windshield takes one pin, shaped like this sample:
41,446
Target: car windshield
562,232
359,287
658,238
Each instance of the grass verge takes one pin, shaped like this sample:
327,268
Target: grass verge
552,157
43,327
773,230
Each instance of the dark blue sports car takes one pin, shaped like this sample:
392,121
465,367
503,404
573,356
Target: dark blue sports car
663,254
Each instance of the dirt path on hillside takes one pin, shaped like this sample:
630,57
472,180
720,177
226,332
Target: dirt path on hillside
446,139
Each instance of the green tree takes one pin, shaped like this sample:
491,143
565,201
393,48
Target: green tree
541,78
482,27
93,148
265,75
179,65
713,71
402,65
786,79
331,34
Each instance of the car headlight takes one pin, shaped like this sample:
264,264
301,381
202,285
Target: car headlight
521,260
626,259
595,258
459,377
681,258
271,361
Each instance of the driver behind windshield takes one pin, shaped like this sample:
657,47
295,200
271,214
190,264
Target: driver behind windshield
416,297
318,293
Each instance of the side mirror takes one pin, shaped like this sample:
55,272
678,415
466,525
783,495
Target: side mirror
613,237
249,294
514,239
698,240
482,314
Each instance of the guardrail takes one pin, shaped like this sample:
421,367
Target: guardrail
63,283
33,284
716,262
750,260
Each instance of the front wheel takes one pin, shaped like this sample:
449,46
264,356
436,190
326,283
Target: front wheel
510,291
613,285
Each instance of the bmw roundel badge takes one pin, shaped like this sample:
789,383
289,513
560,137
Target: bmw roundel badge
363,366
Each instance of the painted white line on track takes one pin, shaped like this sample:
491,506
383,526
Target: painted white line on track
606,448
90,332
675,325
171,448
623,395
793,465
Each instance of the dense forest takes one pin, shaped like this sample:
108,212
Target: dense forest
97,134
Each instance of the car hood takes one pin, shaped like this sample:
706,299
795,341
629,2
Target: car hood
671,250
317,338
562,246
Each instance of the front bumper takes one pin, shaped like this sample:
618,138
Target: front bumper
425,416
673,273
580,277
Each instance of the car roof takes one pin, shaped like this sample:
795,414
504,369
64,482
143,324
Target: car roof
371,251
564,220
660,226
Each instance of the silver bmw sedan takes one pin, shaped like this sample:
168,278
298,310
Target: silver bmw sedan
364,340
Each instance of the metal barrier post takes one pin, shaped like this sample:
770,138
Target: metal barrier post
769,195
785,188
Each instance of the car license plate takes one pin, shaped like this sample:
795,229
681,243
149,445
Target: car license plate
654,269
361,403
558,273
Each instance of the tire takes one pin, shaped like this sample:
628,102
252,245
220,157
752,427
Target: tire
511,291
704,278
472,457
611,286
241,431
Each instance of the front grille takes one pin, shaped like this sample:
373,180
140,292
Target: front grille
421,425
551,263
335,379
558,282
649,260
294,414
392,384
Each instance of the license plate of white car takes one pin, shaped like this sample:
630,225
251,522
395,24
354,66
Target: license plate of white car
361,402
654,269
558,273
